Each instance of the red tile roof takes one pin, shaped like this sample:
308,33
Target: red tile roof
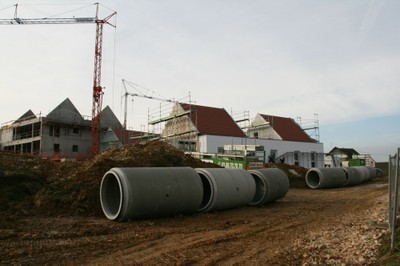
287,128
213,121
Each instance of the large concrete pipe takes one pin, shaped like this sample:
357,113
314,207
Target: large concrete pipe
364,172
354,176
326,177
150,192
226,188
271,184
372,172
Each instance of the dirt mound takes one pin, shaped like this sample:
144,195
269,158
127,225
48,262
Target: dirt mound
30,184
21,177
295,173
77,191
22,164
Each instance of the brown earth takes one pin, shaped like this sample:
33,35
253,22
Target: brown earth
50,214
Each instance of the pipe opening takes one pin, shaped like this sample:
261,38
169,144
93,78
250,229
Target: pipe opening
313,179
261,189
207,192
111,196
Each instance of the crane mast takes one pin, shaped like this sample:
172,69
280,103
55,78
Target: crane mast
97,88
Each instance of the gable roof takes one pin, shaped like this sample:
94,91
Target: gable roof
287,128
108,119
28,115
349,152
66,113
212,121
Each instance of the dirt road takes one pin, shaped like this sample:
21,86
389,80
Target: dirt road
305,227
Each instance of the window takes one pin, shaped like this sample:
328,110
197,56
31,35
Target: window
312,156
51,130
256,135
272,156
75,148
56,147
75,130
56,131
296,155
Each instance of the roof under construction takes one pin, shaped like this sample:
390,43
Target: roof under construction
28,115
108,119
66,113
213,121
287,128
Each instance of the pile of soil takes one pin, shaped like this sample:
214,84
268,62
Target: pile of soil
78,192
33,185
30,184
295,173
21,178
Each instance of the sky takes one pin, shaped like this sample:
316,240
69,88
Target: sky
336,62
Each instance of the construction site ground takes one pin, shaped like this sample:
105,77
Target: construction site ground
50,213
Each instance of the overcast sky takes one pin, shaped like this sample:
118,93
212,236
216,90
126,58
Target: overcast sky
293,58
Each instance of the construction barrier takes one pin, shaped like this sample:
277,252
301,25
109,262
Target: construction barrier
394,197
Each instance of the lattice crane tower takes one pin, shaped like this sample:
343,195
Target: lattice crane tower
97,88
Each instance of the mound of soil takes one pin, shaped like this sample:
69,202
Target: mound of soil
295,173
29,184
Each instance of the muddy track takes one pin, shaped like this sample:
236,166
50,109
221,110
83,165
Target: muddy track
286,232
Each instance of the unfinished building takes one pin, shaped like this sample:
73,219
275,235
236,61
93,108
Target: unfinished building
206,130
190,127
63,134
287,141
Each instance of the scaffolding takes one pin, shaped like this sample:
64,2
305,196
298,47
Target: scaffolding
311,126
242,119
167,121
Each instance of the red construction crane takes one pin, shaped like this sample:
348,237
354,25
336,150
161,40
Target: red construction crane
97,89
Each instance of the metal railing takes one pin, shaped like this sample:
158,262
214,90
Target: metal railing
394,172
26,135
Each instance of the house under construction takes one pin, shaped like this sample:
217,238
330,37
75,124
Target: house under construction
63,134
204,130
201,130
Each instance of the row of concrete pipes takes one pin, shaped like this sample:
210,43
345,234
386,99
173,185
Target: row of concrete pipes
151,192
339,176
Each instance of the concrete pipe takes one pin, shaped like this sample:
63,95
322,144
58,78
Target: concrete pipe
271,184
225,188
326,177
150,192
354,176
364,172
372,172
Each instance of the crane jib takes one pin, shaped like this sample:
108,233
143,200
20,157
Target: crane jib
21,21
97,88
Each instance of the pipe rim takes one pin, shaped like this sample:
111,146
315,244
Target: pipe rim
109,209
313,178
208,190
261,188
